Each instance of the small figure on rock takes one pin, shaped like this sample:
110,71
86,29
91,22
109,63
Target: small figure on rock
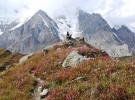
83,39
68,37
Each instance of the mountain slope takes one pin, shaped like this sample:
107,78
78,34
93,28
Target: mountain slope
8,59
127,37
102,77
98,33
39,31
66,24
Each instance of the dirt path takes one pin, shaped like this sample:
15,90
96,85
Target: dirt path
37,90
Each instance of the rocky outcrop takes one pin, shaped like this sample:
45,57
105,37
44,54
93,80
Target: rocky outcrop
73,59
126,36
25,57
47,49
118,51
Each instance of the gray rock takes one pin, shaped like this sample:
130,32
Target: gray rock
44,93
25,58
47,49
118,51
7,67
74,59
79,78
126,36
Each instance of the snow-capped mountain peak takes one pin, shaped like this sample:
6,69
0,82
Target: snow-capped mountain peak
66,24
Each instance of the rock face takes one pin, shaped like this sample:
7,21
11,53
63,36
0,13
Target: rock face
73,59
98,33
118,51
39,31
126,36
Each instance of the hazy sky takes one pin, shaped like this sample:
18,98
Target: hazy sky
114,11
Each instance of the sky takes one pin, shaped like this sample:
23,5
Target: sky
114,11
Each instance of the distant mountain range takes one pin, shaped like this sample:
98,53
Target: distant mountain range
27,35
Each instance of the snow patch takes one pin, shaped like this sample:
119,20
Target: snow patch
5,22
1,32
110,24
66,24
54,26
114,26
131,28
117,27
20,22
77,34
43,20
117,37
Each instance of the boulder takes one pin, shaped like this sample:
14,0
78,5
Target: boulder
44,93
74,59
25,57
47,49
79,78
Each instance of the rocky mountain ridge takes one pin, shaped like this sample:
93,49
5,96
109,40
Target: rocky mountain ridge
98,33
35,33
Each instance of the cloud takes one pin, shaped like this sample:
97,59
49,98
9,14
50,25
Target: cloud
121,20
116,10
